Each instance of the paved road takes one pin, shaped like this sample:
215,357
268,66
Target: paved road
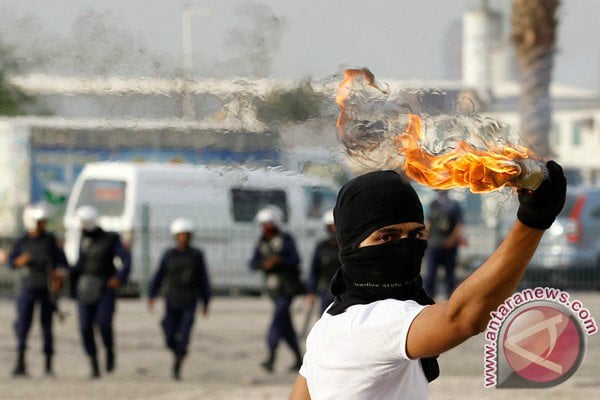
223,364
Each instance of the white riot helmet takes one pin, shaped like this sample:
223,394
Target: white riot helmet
34,213
182,225
270,213
87,217
327,218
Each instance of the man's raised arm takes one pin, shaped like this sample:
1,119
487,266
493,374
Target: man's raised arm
443,326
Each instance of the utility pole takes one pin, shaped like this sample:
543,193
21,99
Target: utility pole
187,101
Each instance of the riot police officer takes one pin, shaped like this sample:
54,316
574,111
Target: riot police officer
96,282
445,225
325,263
184,277
276,255
40,262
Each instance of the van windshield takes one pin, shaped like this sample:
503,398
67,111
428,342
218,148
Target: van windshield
107,196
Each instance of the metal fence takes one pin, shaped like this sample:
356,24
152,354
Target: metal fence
228,247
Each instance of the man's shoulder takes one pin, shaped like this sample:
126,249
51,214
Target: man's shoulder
287,236
384,312
107,235
169,251
287,239
21,239
174,251
196,251
395,304
455,205
113,235
325,243
49,235
377,331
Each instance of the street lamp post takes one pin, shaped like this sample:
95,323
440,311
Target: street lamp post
187,102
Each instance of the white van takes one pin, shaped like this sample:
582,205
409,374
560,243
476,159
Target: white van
140,200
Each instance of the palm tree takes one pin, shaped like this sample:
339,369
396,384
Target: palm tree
534,27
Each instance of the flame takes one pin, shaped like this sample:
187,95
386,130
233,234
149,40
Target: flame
464,166
481,170
352,77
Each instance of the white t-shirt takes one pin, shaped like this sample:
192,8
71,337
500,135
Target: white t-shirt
361,354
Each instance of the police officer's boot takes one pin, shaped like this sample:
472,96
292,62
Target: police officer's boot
110,360
95,368
20,369
269,363
48,366
177,367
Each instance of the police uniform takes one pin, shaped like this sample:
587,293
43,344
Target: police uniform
183,276
444,216
96,300
283,283
324,265
46,256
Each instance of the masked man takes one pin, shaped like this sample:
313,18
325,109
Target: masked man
41,265
97,281
382,334
182,272
276,255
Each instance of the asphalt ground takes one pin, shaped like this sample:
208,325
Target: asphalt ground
224,359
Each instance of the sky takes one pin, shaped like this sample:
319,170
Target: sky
396,39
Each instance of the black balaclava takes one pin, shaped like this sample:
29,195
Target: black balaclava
391,270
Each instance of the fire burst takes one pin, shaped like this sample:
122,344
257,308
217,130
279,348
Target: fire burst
464,165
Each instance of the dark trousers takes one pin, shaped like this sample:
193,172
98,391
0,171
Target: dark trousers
101,315
25,306
437,256
281,325
177,326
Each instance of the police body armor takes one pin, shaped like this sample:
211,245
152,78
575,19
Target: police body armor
441,223
97,265
35,276
279,281
182,279
329,262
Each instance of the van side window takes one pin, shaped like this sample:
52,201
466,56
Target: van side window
106,196
318,201
247,202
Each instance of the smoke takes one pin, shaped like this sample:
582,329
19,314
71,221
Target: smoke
98,43
25,43
373,116
254,41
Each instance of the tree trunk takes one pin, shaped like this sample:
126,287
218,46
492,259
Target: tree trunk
534,27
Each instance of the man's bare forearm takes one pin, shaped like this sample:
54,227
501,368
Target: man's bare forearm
300,390
496,279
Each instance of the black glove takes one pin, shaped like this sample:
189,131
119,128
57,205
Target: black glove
539,208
